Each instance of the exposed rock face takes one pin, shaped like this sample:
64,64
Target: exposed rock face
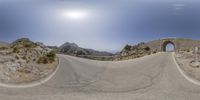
135,51
23,42
25,48
21,58
154,46
53,47
74,49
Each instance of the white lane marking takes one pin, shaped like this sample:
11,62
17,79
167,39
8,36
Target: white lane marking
33,84
194,81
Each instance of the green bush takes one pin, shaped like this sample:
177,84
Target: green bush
51,54
51,59
42,60
3,48
127,47
29,45
16,57
154,52
48,58
146,48
15,50
34,59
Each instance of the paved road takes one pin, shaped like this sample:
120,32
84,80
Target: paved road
153,77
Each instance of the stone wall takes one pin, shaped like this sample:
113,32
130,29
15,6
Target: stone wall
179,43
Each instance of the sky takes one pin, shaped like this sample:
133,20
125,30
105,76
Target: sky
170,47
106,25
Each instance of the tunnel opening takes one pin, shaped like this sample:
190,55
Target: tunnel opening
168,46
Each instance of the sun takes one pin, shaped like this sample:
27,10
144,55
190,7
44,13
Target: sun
75,14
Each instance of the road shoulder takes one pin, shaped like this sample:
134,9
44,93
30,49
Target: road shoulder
184,74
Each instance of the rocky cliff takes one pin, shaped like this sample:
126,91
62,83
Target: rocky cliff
24,60
75,50
136,51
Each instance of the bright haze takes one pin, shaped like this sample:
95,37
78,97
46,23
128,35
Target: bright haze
105,25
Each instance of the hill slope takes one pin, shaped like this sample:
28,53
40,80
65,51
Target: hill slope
75,50
24,61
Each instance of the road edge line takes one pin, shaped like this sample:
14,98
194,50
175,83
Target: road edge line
190,79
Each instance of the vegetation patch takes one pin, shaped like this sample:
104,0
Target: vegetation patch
26,61
47,58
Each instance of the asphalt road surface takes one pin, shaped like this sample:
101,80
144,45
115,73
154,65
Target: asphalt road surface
153,77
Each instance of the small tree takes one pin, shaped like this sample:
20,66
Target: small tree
15,50
42,60
146,48
127,47
51,54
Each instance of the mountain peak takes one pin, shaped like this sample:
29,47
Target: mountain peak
74,49
69,44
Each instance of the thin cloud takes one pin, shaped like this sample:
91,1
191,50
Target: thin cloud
179,5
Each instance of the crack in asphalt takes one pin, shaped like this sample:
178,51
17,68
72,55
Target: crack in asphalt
151,79
83,86
78,84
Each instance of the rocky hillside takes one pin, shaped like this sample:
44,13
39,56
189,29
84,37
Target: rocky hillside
75,50
24,60
179,43
3,45
136,51
128,52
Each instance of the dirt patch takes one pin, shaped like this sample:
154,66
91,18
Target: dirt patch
27,75
184,60
25,61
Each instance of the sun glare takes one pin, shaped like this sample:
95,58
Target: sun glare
75,14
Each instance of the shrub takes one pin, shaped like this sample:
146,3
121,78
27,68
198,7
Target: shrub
12,60
3,48
51,59
42,60
15,50
48,58
51,54
27,61
29,45
188,50
127,47
154,52
34,59
16,57
146,48
24,57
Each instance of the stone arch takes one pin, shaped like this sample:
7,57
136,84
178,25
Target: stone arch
165,43
179,44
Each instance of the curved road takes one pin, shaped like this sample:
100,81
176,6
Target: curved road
153,77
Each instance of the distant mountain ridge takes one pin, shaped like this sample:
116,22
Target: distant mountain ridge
74,49
4,44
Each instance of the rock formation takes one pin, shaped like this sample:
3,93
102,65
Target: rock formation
75,50
135,51
22,57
